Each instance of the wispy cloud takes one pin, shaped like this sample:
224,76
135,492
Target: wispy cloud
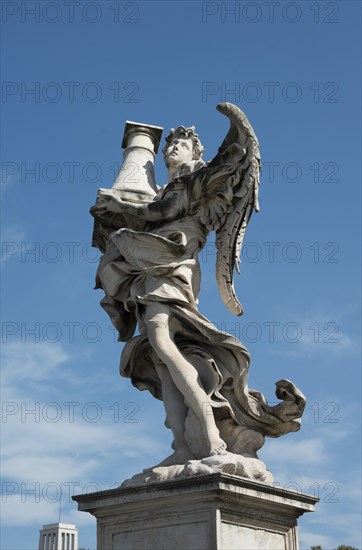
72,453
312,465
11,239
315,338
310,538
49,445
310,451
24,362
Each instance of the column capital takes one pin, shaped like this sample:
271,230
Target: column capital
133,129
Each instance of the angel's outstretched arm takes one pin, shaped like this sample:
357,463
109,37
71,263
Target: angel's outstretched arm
165,209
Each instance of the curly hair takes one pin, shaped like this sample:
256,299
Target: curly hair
185,133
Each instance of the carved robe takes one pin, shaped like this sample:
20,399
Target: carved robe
161,264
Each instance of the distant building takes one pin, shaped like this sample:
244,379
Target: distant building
58,536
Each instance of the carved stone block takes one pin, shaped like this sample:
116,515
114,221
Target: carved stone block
208,512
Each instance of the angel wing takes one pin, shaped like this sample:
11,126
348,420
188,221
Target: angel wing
226,195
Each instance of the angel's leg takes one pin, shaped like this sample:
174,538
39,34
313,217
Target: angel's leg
183,374
176,411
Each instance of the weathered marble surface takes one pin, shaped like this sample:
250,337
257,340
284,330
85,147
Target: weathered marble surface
227,463
217,511
151,277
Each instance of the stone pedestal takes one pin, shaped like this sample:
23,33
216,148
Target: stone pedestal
207,512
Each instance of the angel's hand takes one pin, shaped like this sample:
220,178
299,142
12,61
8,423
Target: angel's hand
105,194
98,211
106,202
109,201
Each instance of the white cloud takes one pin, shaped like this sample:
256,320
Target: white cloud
37,451
307,451
342,528
311,337
107,452
16,511
311,466
24,362
309,538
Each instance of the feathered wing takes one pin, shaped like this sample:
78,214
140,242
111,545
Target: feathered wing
245,181
225,195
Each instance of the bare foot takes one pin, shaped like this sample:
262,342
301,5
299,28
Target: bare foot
180,456
218,447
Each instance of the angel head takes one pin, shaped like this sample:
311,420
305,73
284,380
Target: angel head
183,148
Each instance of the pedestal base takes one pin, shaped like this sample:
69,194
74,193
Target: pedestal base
208,512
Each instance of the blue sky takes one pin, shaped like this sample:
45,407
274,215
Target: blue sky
295,71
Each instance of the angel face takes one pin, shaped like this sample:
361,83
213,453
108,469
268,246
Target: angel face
179,151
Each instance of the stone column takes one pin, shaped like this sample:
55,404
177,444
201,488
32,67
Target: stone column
135,181
136,177
208,512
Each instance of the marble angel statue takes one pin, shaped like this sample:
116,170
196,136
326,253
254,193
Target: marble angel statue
150,274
